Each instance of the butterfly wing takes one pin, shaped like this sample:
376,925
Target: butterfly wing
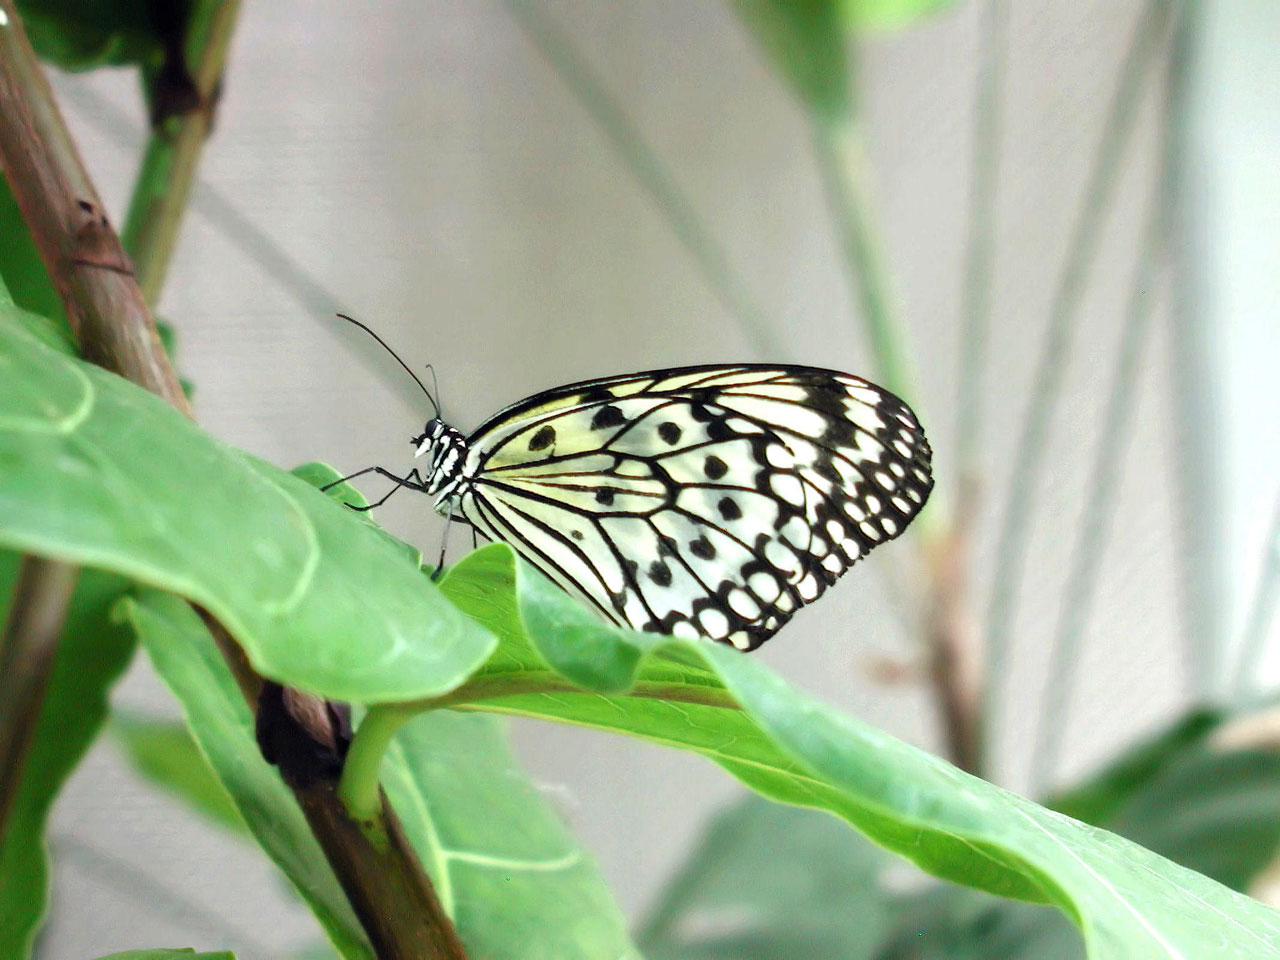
700,501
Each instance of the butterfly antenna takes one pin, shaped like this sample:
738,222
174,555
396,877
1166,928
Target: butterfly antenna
435,385
383,343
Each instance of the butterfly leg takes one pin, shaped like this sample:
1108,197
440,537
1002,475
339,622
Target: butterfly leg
444,542
413,481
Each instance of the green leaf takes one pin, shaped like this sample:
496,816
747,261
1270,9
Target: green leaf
513,880
92,653
20,264
188,661
806,43
1101,796
889,14
164,752
1127,901
82,34
186,953
771,881
1212,808
96,471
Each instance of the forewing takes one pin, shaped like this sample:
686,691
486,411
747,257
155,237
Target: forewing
702,501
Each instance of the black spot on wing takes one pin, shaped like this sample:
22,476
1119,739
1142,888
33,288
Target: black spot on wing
607,416
669,432
544,438
660,573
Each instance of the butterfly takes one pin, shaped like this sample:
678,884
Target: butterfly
706,501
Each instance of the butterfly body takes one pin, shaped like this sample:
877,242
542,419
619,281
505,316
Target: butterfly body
708,501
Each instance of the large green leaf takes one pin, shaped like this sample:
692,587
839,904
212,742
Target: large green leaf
92,653
514,882
82,34
1127,901
98,472
772,881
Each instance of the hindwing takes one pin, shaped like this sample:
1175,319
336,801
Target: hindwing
701,501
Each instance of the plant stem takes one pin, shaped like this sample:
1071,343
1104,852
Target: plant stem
651,173
1100,500
950,631
358,788
173,151
387,887
1055,352
1196,378
842,162
68,223
1262,611
41,596
976,311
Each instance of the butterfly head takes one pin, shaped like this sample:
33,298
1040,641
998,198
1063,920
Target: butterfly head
446,449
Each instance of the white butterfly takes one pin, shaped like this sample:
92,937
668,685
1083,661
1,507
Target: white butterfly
707,501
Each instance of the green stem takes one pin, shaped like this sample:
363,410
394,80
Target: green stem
1054,355
1196,376
1100,502
976,312
842,162
358,788
651,173
1262,611
173,151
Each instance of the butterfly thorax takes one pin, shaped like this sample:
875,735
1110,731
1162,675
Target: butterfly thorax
446,450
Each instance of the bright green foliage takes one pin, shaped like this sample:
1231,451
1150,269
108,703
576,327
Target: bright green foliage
514,881
1127,901
97,471
889,14
1211,809
20,264
164,752
92,653
772,881
83,34
185,954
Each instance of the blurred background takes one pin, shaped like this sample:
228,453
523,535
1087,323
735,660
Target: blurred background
530,193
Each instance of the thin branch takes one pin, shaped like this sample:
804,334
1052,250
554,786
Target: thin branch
69,225
41,595
1028,462
1100,498
173,151
652,174
976,311
950,628
843,164
1262,611
1196,395
387,887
